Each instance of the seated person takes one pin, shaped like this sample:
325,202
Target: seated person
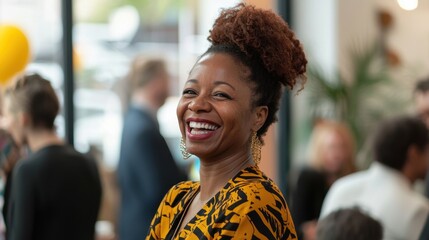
332,155
401,151
349,224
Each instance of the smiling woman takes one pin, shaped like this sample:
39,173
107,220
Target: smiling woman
229,101
217,96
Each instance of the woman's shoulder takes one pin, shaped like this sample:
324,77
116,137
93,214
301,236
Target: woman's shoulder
257,189
257,199
179,190
261,192
185,186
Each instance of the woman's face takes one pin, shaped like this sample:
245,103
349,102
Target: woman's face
335,152
215,114
12,122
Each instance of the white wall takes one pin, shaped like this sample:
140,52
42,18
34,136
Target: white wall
409,38
315,24
357,28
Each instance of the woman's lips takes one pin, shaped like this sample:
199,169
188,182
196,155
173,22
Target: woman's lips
197,134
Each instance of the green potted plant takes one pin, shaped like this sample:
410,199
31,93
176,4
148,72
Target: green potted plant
360,100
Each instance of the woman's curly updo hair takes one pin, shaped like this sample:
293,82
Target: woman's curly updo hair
262,41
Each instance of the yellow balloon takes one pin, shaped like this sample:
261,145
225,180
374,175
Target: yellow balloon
14,52
77,61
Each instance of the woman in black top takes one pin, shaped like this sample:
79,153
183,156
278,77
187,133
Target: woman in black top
56,191
332,156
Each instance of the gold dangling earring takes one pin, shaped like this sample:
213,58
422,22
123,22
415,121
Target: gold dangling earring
185,153
255,147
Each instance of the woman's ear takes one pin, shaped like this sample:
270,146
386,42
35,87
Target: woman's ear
261,113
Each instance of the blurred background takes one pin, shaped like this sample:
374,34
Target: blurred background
364,59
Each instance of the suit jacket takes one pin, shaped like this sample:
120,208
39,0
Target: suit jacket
146,172
55,194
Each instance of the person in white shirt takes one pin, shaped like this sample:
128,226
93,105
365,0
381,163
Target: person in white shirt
401,151
421,105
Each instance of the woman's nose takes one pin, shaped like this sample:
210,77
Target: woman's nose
199,104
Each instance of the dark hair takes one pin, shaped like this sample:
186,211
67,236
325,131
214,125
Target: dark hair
350,224
263,42
395,136
35,96
144,70
422,86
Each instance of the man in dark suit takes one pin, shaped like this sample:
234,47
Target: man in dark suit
146,168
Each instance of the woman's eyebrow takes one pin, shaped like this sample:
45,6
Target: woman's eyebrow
224,83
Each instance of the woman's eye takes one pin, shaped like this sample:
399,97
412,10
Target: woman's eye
222,95
189,92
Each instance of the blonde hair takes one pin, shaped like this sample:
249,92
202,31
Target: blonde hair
144,70
320,132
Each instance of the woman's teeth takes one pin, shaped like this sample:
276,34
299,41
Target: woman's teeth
202,126
198,132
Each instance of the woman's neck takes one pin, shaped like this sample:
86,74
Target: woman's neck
38,139
215,174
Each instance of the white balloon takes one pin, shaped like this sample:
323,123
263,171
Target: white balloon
123,24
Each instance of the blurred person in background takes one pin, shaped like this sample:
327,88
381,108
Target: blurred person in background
401,153
349,224
421,102
331,155
228,102
56,191
146,166
421,99
9,155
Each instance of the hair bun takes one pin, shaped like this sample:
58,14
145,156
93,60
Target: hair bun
264,35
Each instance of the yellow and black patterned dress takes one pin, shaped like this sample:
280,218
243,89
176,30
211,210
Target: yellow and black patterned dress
250,206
